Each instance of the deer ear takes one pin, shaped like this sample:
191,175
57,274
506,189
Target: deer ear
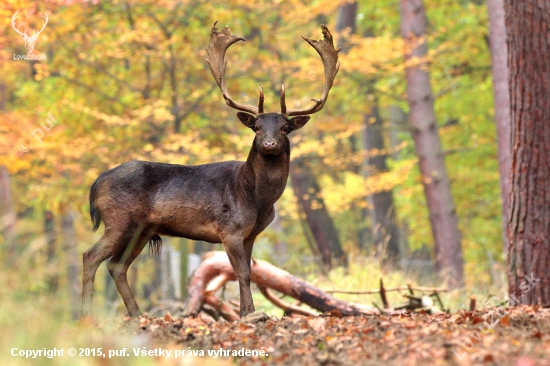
298,122
247,119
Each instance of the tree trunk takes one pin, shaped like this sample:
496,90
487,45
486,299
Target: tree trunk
166,286
310,201
184,252
528,27
52,263
73,276
384,226
8,216
280,249
345,22
425,132
499,55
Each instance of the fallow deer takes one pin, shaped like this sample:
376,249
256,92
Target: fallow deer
229,202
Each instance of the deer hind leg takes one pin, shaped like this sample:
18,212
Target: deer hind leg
105,248
118,268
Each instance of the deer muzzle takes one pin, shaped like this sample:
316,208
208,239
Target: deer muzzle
270,144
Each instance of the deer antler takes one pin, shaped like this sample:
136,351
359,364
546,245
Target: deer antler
219,43
13,19
329,56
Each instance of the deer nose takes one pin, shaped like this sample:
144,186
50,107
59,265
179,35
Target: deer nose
270,144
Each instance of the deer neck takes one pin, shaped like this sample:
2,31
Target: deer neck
266,175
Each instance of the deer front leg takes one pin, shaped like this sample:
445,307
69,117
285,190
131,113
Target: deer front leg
234,247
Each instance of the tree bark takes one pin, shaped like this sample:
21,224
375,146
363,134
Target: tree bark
216,270
443,217
310,201
528,27
384,226
73,276
499,57
345,22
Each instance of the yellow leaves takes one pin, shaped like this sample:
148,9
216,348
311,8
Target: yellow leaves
353,189
373,54
388,180
41,71
307,147
340,196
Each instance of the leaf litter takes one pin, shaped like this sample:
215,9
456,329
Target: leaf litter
518,336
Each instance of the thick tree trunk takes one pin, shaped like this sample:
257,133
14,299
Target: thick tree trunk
384,226
310,201
73,276
499,56
528,27
216,270
437,188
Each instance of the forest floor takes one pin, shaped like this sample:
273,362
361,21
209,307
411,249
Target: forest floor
494,336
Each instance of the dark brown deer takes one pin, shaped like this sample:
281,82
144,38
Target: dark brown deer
229,202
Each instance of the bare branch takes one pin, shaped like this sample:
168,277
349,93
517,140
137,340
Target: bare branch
288,308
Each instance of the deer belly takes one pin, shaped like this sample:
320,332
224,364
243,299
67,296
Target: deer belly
192,222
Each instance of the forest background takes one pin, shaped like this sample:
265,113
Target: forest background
127,80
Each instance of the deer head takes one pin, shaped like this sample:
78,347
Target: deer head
29,40
271,128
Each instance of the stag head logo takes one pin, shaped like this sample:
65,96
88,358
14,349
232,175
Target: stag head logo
29,40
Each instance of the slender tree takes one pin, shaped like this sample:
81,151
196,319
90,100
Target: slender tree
425,132
384,225
385,232
51,239
345,26
528,27
8,217
73,275
311,203
499,55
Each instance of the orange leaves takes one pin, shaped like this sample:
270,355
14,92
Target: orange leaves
317,324
404,339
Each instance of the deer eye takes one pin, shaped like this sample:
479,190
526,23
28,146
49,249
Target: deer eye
284,129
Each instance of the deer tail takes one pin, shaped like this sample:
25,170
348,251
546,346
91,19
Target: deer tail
95,215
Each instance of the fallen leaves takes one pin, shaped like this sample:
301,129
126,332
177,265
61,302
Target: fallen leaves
491,336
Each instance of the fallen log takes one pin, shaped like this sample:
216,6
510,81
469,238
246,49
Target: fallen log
288,308
216,270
